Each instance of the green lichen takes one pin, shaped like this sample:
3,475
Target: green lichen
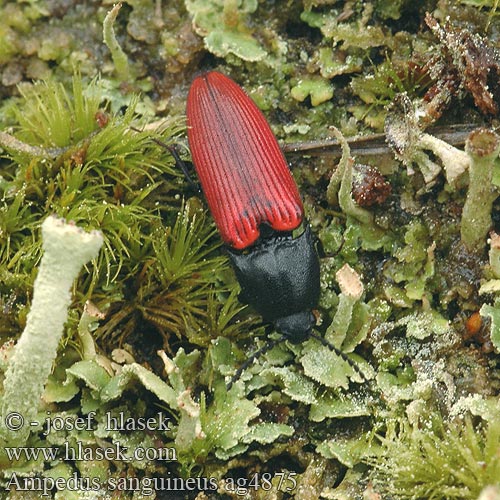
414,263
120,59
355,34
351,289
340,186
493,312
225,29
319,90
8,45
349,451
333,64
494,254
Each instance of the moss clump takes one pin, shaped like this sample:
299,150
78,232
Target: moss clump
440,461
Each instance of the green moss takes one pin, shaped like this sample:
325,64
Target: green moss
9,43
450,461
52,117
492,5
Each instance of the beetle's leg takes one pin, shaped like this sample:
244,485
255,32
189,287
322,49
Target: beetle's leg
256,355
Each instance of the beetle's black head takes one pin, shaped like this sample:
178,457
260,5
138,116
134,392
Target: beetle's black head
297,327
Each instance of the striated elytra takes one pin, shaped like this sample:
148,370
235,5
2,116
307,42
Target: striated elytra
255,203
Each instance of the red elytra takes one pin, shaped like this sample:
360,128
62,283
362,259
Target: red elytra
242,171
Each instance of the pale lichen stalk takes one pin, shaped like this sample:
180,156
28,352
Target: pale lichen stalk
483,147
340,187
66,249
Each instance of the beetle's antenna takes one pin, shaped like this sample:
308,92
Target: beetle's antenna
338,352
256,355
178,160
180,163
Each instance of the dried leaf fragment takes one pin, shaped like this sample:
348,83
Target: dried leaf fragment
349,282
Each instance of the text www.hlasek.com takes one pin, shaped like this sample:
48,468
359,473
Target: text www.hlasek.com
79,452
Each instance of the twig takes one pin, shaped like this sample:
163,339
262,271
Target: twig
374,144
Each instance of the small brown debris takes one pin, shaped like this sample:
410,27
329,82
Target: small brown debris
468,62
482,143
101,118
369,186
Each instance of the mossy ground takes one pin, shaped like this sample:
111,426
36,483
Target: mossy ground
79,127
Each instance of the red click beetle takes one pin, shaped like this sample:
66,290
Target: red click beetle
255,203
